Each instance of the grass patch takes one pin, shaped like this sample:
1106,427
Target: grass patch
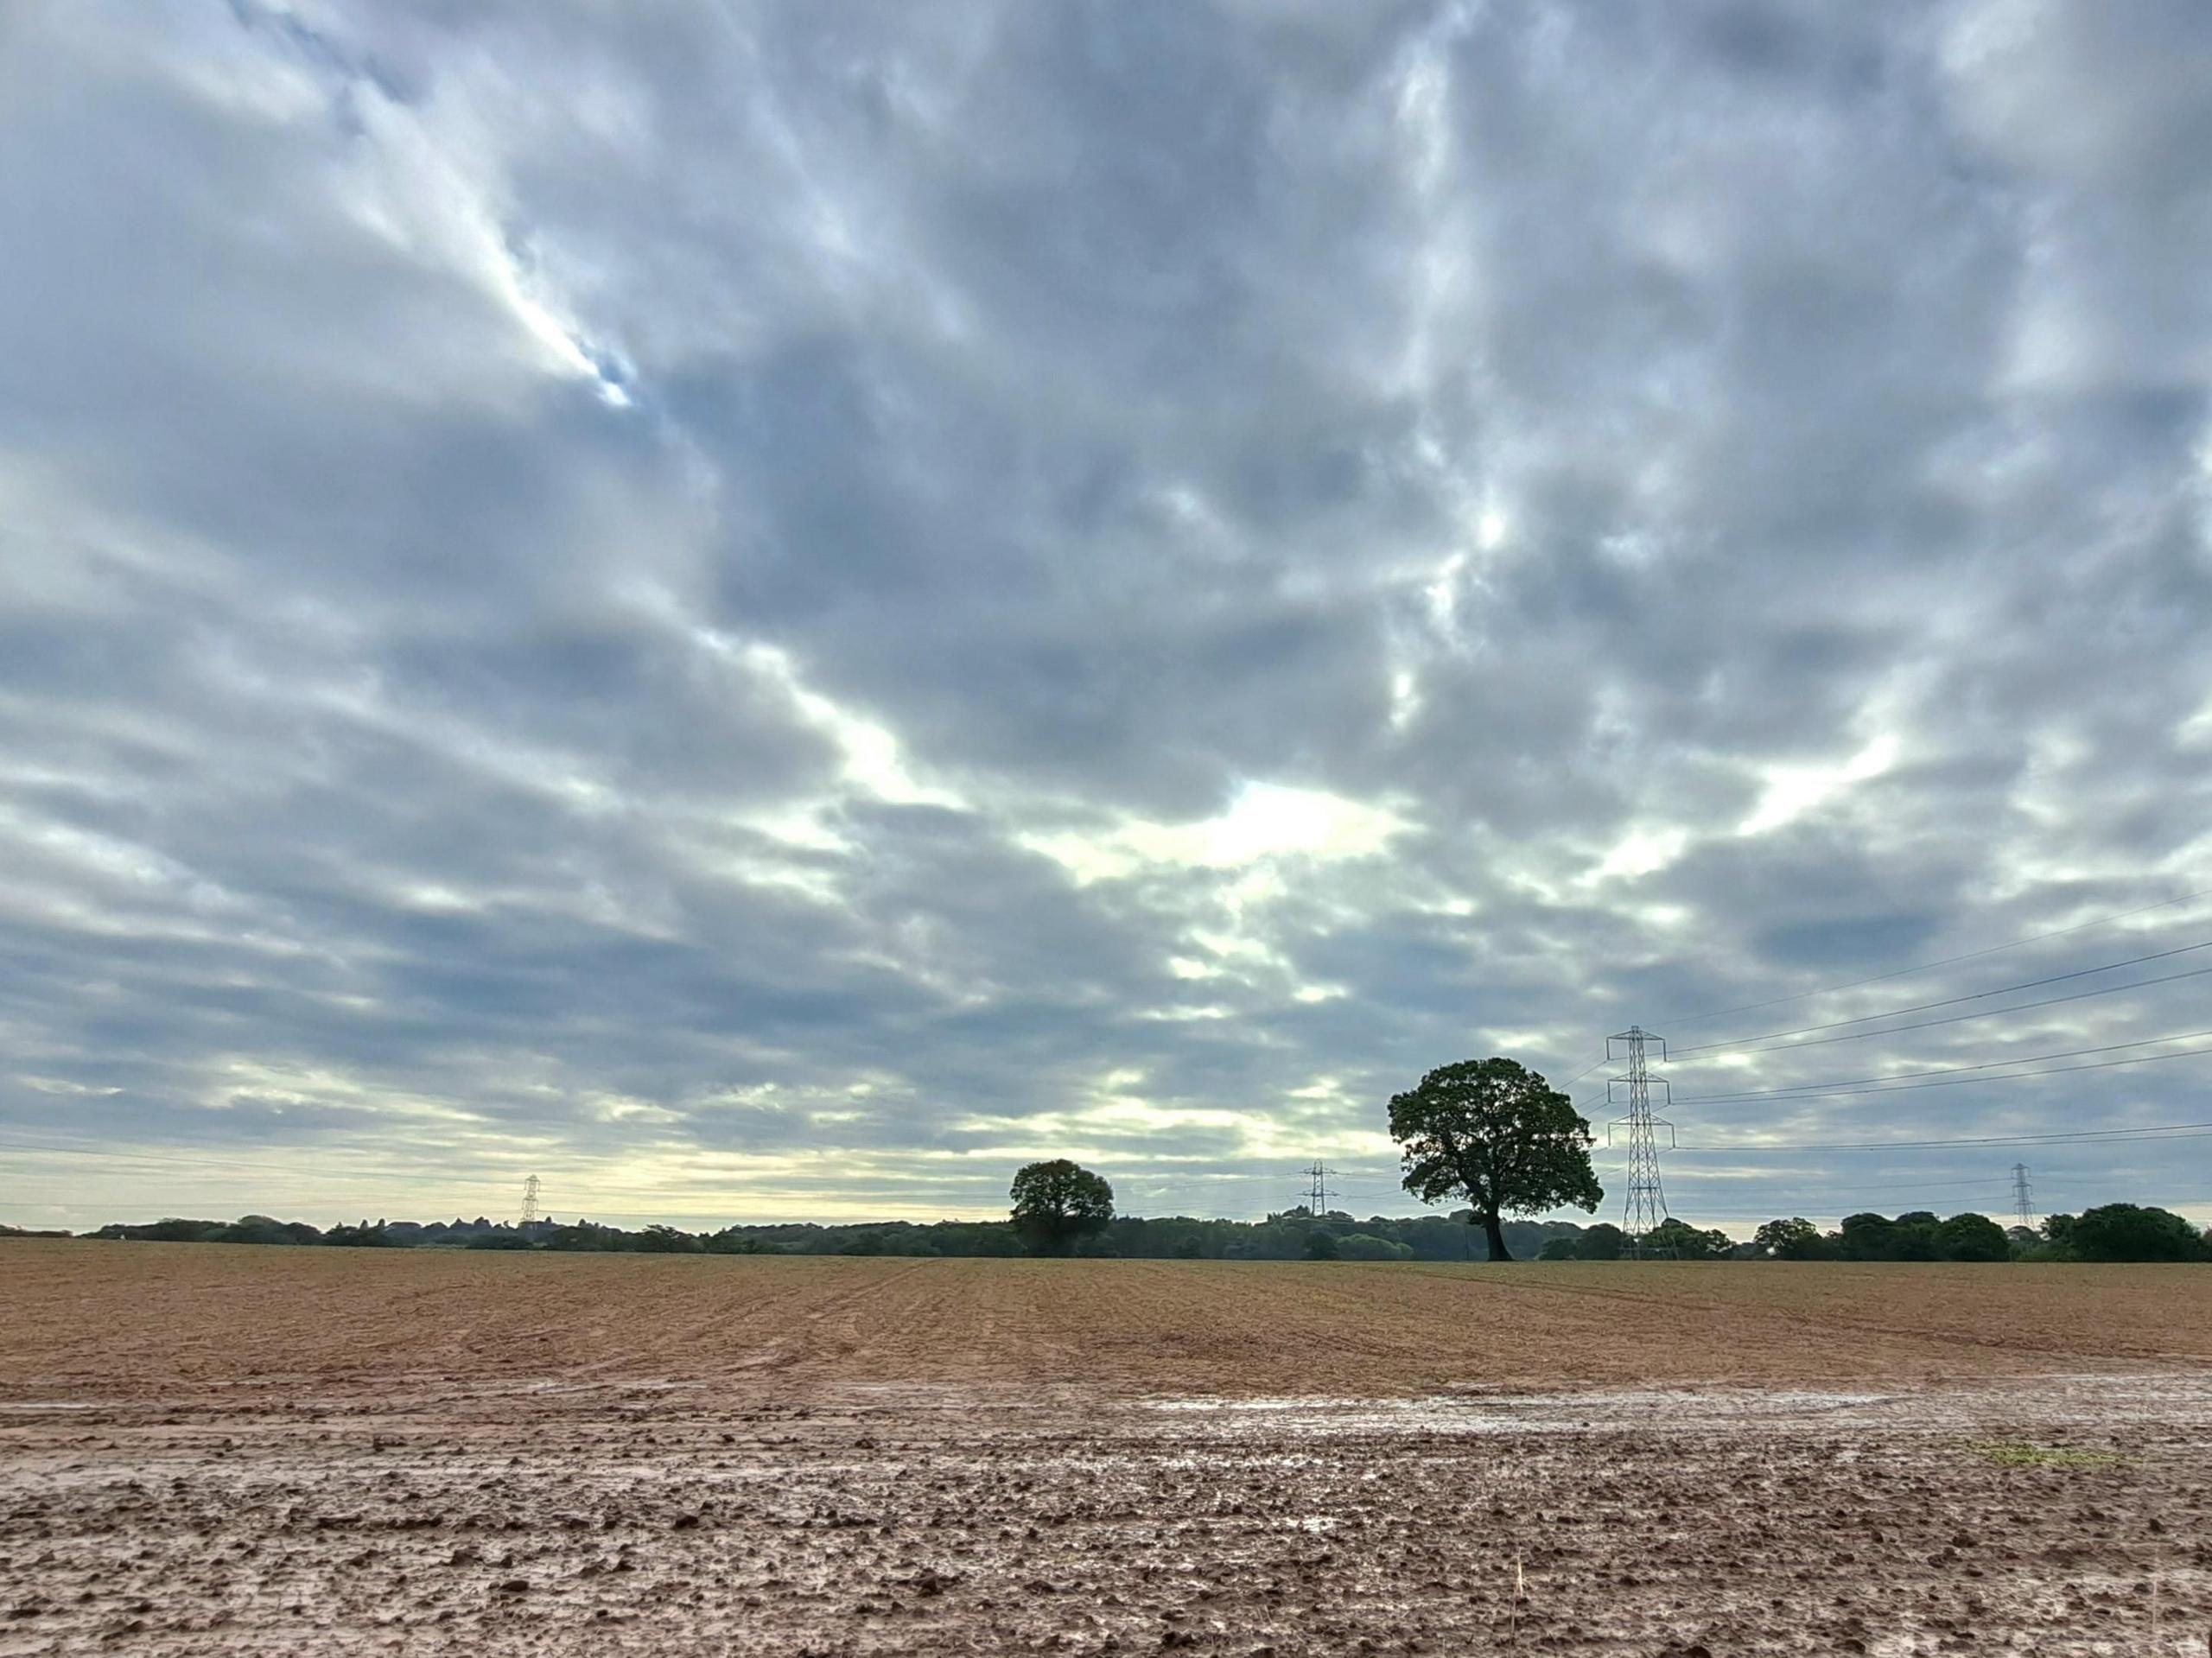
2017,1453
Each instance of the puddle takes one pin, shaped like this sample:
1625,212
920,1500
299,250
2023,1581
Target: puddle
1594,1412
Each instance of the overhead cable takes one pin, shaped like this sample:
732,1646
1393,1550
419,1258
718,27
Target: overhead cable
1986,1012
1679,1020
1950,1001
2160,1131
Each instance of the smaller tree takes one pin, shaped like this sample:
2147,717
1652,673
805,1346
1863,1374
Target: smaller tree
1867,1236
1321,1245
1056,1203
1973,1237
1557,1249
1796,1239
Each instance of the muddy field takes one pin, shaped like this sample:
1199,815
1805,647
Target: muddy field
205,1450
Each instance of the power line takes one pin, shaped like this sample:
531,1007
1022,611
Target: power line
1953,1001
2160,1131
1942,1071
1581,1074
1925,967
1986,1182
1960,1082
1960,1019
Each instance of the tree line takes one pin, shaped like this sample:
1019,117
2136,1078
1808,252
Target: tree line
1489,1132
1286,1236
2110,1232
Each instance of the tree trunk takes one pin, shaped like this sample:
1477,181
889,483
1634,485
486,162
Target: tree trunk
1497,1249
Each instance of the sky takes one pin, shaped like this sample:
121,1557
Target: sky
770,610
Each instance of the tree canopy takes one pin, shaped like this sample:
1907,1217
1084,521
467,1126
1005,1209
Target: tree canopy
1603,1242
1795,1239
1498,1134
1971,1237
1683,1241
1058,1203
2126,1232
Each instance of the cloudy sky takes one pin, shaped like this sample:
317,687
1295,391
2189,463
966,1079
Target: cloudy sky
768,610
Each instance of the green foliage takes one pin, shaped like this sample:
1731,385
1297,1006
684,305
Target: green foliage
1500,1135
1365,1246
169,1230
1796,1239
1912,1236
364,1237
2131,1232
1056,1203
660,1240
1603,1242
583,1237
1683,1241
1971,1237
1866,1238
2117,1231
1321,1245
265,1229
1918,1236
2017,1453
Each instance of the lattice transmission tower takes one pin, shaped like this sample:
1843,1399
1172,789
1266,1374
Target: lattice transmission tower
1645,1206
1318,1194
529,1200
2023,1196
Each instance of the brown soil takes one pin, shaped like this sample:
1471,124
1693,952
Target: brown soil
226,1450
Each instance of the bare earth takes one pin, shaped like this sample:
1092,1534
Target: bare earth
211,1449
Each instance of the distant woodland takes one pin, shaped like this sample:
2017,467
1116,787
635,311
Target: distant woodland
2110,1232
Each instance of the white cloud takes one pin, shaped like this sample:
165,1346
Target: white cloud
1791,791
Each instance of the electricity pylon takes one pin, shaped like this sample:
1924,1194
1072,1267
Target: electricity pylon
1646,1204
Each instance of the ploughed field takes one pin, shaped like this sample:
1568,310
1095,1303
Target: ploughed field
226,1450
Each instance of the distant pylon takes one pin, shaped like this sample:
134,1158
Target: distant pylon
529,1200
2023,1196
1645,1206
1318,1194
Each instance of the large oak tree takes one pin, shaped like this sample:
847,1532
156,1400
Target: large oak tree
1056,1203
1498,1135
